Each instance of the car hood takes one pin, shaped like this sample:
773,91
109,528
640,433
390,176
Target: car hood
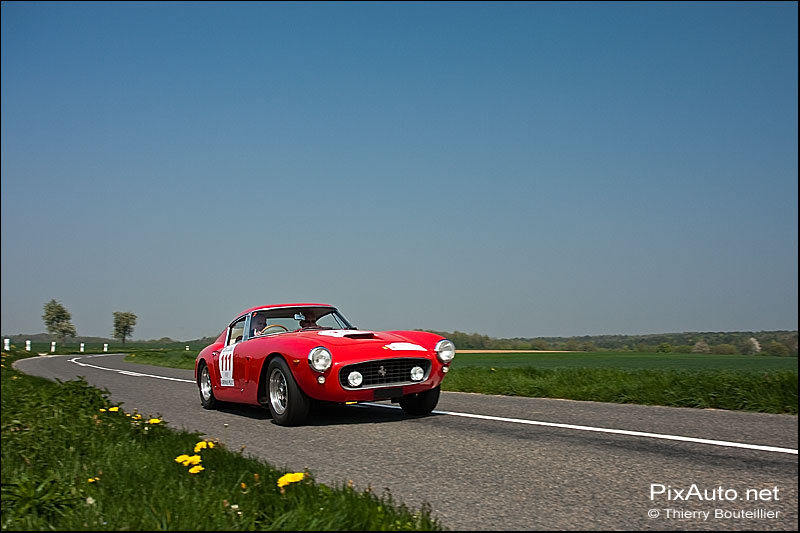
354,337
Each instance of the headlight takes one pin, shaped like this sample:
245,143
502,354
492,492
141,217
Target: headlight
355,379
445,351
320,359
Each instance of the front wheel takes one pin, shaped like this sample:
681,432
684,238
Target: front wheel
207,399
288,404
421,403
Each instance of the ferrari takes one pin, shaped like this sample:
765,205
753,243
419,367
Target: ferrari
286,357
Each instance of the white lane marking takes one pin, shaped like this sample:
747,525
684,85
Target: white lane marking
76,360
606,430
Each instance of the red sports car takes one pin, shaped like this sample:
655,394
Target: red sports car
283,356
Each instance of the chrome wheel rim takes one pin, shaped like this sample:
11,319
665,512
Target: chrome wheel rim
205,384
278,394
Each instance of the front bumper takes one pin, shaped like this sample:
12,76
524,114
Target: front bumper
384,379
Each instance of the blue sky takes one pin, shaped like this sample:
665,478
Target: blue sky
510,169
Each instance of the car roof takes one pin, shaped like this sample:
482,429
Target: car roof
278,306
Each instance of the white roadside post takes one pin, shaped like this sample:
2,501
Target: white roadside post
7,344
81,347
105,347
27,346
187,348
53,346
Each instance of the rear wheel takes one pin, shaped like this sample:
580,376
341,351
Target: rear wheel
288,404
421,403
207,398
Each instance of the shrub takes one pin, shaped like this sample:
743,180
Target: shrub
724,349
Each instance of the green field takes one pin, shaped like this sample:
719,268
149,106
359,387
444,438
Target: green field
627,360
168,358
736,382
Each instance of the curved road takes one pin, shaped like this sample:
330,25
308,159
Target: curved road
503,463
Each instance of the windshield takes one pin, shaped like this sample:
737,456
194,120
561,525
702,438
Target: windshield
281,320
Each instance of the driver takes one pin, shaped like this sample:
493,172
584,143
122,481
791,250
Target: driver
257,325
309,321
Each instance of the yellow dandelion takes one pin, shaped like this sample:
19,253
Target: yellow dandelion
154,421
93,479
181,458
243,485
196,469
113,409
102,410
137,416
256,477
192,460
200,445
290,478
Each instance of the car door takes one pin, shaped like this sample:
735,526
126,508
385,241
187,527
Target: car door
243,360
226,362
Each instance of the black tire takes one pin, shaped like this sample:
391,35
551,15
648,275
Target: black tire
288,404
207,399
421,403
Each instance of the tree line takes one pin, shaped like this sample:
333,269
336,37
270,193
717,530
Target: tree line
781,343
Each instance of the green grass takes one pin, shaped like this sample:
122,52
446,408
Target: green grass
736,382
71,463
163,357
768,392
627,360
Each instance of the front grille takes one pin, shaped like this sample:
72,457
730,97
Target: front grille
384,372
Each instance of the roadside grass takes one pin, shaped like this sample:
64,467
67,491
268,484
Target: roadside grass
628,360
72,460
767,392
163,357
736,382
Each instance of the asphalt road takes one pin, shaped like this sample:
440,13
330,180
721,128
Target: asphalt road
521,464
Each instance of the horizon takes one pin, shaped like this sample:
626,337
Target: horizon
130,339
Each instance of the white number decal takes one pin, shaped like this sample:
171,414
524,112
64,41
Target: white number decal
226,366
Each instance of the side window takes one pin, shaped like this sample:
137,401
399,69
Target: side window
258,321
236,331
